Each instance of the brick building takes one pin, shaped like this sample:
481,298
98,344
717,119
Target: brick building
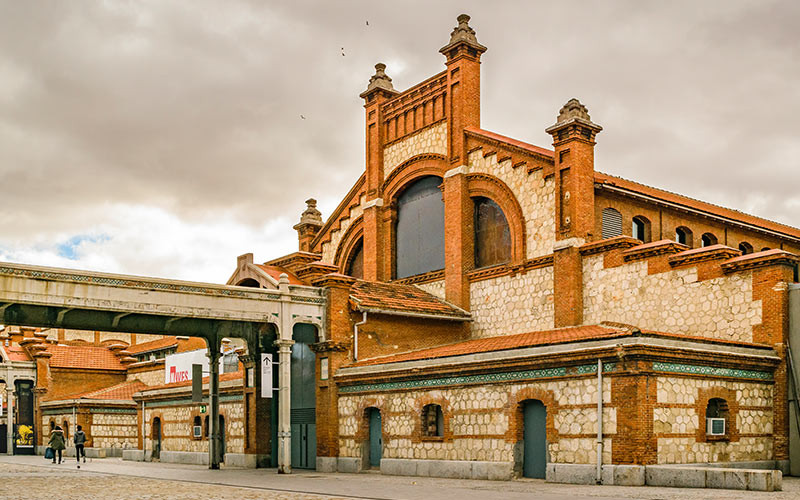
483,293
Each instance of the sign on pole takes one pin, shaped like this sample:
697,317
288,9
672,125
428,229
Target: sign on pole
266,375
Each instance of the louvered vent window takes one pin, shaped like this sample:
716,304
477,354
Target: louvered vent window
612,223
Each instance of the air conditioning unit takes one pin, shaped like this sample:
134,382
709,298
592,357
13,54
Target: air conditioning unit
715,426
197,431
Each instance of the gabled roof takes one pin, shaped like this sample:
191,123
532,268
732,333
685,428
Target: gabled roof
275,272
16,353
83,357
153,345
691,203
122,392
534,339
512,142
404,300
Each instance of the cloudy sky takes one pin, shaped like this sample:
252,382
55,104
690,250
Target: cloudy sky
165,137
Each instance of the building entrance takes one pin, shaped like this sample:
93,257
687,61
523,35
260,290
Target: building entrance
303,388
534,459
375,437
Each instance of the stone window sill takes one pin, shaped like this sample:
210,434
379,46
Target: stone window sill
714,439
432,439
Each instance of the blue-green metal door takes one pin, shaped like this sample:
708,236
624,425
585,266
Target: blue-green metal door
534,457
303,413
375,438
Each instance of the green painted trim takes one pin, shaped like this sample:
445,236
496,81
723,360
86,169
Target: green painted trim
463,380
68,410
585,369
189,402
710,370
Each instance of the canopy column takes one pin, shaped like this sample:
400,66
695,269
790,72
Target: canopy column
213,399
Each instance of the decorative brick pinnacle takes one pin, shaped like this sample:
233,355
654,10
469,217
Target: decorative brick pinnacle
463,33
311,215
573,112
380,80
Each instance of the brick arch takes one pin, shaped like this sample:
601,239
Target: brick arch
411,170
419,404
362,431
515,417
489,186
706,395
349,240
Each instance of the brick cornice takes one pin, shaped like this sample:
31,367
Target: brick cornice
654,249
761,259
608,244
697,255
422,278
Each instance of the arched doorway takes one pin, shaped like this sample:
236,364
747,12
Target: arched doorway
375,443
303,398
156,439
534,438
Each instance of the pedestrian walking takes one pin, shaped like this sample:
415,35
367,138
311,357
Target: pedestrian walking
57,443
80,440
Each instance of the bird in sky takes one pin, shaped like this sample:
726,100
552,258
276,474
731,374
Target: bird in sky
302,117
342,51
367,23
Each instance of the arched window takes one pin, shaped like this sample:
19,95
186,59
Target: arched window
745,248
717,414
205,425
708,239
197,428
420,228
492,236
432,421
683,235
765,249
355,263
612,223
641,228
249,282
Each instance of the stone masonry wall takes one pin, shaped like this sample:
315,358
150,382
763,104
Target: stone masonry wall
478,419
177,422
535,195
677,422
435,288
673,301
152,377
114,430
432,139
512,304
329,248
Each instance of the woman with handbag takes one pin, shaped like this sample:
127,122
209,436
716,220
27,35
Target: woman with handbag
57,443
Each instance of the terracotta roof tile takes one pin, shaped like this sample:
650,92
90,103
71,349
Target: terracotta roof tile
153,345
533,339
85,357
17,353
123,392
275,272
661,194
397,298
505,342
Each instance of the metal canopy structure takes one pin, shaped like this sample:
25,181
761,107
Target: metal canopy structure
83,300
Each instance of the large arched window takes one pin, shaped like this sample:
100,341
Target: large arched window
420,228
683,235
612,223
492,236
355,263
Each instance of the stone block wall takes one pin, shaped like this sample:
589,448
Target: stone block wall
673,301
114,430
177,422
432,139
512,304
435,288
152,377
482,422
535,194
679,421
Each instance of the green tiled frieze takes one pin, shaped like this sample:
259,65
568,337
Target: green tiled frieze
584,369
710,370
487,378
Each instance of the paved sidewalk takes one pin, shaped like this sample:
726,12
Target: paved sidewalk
31,477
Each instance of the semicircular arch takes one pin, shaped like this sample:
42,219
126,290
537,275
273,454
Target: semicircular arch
409,171
350,239
489,186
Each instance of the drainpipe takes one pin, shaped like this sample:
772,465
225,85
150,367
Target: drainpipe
355,336
599,472
144,432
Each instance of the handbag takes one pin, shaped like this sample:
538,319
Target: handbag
49,454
